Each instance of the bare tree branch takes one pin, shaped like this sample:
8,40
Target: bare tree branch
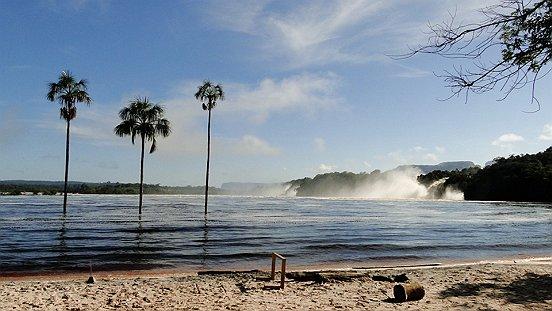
519,32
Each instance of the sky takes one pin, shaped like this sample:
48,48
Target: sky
310,88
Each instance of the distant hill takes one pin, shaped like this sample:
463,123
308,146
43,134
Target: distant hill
444,166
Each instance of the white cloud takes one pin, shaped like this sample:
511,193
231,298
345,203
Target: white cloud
507,140
307,33
93,123
440,149
320,144
546,133
415,155
234,16
431,157
305,93
413,73
325,168
367,164
252,145
11,126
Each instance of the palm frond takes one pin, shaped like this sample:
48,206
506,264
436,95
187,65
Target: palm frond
125,128
163,127
68,113
53,91
153,146
142,117
208,94
67,92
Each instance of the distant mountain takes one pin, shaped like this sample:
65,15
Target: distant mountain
444,166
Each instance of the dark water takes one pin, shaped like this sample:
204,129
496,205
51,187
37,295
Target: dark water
243,231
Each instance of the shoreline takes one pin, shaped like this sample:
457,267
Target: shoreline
516,284
339,267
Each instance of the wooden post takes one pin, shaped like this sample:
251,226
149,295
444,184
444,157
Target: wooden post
273,271
282,269
283,278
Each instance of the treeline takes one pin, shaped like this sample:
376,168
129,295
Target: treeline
332,184
452,180
339,184
522,178
52,188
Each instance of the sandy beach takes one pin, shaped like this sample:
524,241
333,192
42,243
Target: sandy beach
502,285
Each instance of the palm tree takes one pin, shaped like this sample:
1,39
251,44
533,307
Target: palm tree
208,94
67,92
143,118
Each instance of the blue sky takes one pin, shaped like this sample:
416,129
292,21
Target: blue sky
309,90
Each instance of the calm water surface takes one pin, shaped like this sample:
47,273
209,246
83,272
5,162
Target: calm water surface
242,231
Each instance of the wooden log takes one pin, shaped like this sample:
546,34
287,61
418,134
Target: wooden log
408,292
222,272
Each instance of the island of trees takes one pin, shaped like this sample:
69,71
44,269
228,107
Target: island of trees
521,178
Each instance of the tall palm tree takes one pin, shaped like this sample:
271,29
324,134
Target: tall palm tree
146,120
67,92
208,94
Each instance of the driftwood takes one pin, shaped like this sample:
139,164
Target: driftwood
408,292
305,277
224,272
324,276
399,278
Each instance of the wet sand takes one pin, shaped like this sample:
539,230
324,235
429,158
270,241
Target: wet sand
502,285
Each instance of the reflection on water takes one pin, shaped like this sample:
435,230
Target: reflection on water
243,231
205,241
62,246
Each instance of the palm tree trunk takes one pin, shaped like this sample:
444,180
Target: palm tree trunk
141,177
208,156
66,168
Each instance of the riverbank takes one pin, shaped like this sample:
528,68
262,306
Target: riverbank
500,285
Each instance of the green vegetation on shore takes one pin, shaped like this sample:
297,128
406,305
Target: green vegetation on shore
333,184
522,178
52,188
516,178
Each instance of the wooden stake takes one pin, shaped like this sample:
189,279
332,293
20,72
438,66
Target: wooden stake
283,269
273,270
283,278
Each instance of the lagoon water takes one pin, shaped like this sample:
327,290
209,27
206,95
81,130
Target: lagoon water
241,232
